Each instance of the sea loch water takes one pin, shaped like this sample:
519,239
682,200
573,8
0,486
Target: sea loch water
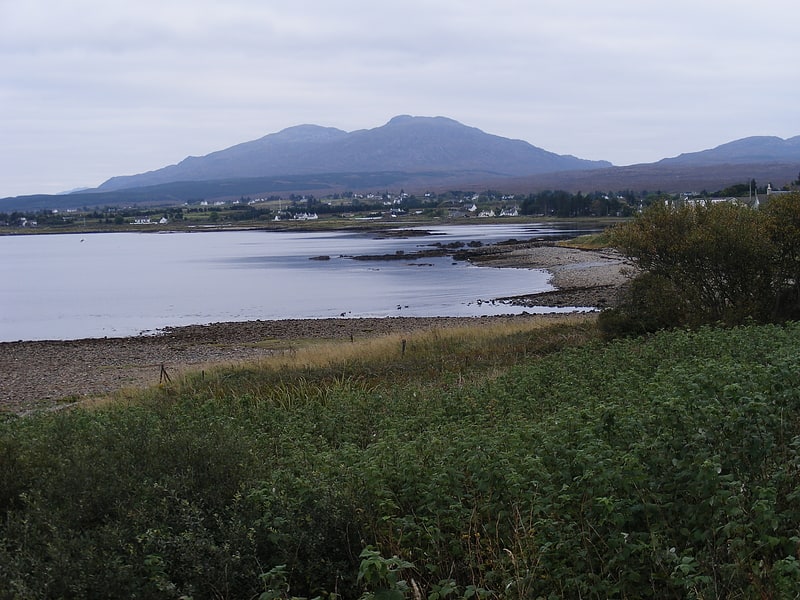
119,284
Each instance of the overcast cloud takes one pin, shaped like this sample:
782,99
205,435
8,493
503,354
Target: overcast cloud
90,89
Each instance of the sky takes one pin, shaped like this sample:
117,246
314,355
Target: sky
90,89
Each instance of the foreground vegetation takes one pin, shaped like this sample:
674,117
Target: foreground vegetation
497,463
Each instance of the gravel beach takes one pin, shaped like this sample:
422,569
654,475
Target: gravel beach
43,374
584,278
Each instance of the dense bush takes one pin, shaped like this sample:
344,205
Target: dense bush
709,263
666,467
783,229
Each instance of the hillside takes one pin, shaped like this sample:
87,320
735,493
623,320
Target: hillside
663,176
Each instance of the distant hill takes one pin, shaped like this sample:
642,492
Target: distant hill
750,150
655,177
405,144
763,158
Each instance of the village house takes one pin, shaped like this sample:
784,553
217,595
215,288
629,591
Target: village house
771,192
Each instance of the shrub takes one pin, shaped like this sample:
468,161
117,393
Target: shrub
783,229
648,303
713,263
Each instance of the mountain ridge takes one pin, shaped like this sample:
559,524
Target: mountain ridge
748,150
405,143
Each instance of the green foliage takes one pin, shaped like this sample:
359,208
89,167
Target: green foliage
381,576
560,203
783,229
659,467
710,263
649,302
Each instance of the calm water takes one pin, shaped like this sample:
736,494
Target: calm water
120,284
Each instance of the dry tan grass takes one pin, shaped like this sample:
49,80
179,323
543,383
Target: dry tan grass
390,347
463,353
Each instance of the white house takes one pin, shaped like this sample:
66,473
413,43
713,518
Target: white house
771,192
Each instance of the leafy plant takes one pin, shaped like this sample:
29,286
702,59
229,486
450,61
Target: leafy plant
381,576
665,466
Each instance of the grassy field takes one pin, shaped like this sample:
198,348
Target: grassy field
468,463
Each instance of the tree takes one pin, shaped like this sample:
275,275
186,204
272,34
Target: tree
711,263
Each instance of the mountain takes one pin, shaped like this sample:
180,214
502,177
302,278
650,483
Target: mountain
404,144
763,158
750,150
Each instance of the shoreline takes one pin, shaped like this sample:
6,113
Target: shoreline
589,278
40,375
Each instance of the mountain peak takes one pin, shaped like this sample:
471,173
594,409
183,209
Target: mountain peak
400,119
306,132
409,119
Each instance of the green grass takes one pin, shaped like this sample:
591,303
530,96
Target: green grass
594,241
499,463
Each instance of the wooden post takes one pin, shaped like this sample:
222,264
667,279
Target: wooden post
164,375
